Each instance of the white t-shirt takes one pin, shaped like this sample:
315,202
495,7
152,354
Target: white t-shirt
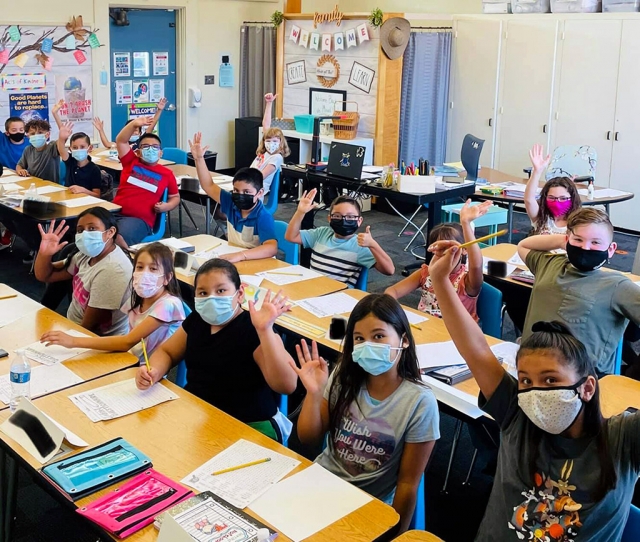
262,161
549,228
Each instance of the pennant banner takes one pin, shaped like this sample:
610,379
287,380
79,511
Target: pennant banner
330,42
295,33
363,34
338,41
315,41
304,38
326,42
351,38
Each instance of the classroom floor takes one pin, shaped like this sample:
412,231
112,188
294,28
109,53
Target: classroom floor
40,518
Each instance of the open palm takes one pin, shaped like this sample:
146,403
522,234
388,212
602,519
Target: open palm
306,202
539,161
313,371
197,150
472,212
51,241
272,307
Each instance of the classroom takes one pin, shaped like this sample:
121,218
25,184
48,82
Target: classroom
319,270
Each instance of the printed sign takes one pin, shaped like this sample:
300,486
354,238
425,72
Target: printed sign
361,77
296,72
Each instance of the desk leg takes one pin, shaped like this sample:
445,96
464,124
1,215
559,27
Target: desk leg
409,221
510,221
180,218
454,445
434,214
606,206
207,224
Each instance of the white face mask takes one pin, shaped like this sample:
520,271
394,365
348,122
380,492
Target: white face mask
271,146
147,284
552,409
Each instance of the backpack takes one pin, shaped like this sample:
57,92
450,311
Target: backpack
106,186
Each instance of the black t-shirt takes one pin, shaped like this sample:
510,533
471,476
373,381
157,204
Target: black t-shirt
88,176
221,369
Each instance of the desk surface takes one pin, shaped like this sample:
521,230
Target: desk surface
115,165
181,435
417,536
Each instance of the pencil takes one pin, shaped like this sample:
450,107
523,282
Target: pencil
8,296
416,326
480,239
211,248
146,358
281,273
250,464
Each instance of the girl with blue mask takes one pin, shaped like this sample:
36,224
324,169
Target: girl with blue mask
381,420
234,359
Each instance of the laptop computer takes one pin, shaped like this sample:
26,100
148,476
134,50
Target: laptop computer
346,160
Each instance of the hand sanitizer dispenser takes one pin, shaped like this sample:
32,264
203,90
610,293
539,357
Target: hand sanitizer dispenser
195,97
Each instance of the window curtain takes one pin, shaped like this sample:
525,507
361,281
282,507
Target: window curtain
257,67
425,93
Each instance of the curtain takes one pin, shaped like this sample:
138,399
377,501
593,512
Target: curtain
257,67
425,93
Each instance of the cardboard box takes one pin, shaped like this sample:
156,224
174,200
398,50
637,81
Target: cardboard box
417,184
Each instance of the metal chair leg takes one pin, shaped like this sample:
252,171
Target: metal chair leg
473,462
454,445
419,232
184,205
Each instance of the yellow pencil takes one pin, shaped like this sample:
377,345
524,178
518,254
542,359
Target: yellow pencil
416,326
289,274
480,239
211,248
250,464
146,358
8,296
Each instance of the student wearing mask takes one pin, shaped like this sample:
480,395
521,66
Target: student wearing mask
12,142
83,176
41,158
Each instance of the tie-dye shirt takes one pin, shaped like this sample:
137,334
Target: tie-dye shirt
366,449
428,302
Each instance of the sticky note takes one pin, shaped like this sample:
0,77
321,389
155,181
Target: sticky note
70,42
14,33
94,41
80,56
47,45
21,59
4,56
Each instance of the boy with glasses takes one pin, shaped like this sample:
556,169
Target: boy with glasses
336,250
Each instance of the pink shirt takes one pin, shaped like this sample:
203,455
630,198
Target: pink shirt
429,303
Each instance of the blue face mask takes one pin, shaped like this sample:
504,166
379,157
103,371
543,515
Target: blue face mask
90,243
37,140
150,155
134,138
374,358
215,310
80,154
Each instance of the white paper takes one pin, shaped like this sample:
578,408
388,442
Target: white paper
517,260
289,275
171,242
242,486
12,178
438,355
44,380
637,282
328,305
12,187
69,435
308,501
485,259
156,90
81,202
48,355
49,189
372,169
217,249
120,399
14,308
124,91
252,280
171,531
414,318
603,193
506,353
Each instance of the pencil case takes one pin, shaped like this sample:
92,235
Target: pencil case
134,505
94,469
493,190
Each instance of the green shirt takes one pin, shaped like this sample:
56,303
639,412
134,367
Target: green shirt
595,305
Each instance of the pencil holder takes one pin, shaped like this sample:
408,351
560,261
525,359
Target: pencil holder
496,268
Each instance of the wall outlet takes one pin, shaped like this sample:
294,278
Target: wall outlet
209,79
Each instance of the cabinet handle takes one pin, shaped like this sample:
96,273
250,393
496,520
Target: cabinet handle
544,128
616,136
609,135
491,122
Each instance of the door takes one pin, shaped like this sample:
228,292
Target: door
474,83
149,31
526,92
587,89
625,166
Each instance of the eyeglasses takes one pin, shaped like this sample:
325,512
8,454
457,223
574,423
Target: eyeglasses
337,216
559,198
145,146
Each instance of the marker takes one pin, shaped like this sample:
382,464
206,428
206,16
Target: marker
250,464
480,239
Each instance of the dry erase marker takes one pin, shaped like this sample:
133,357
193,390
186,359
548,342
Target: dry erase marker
250,464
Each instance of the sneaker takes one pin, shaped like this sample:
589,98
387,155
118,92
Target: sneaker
29,257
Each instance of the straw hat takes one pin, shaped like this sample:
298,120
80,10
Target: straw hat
394,36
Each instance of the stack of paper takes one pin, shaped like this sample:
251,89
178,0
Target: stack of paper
43,380
440,354
48,189
171,242
328,305
81,202
517,260
289,275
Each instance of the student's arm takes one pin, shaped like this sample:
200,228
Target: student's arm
161,105
405,286
540,164
384,263
543,243
268,170
469,213
313,421
51,243
272,358
55,111
122,139
268,108
65,133
165,356
304,206
21,166
268,249
77,189
626,301
93,318
99,125
204,175
464,331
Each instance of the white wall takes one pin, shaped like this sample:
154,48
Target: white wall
398,6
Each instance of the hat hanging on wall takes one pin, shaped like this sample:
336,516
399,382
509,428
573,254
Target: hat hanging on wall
394,36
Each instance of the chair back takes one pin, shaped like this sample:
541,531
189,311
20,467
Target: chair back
161,223
274,193
617,367
490,310
570,160
174,154
181,376
631,531
470,155
291,250
63,173
363,278
418,520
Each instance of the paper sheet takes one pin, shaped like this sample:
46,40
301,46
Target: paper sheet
81,202
120,399
372,169
12,178
69,435
44,379
49,189
14,308
438,355
217,249
11,187
415,318
637,282
289,275
242,486
506,353
328,305
252,280
171,242
603,193
457,165
48,355
308,501
517,260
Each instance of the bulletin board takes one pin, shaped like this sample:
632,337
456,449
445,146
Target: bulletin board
40,65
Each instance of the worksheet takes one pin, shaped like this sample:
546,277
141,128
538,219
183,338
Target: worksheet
15,307
44,379
328,305
289,275
81,202
439,354
48,355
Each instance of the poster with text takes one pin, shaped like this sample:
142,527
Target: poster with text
160,63
156,90
142,110
124,91
121,65
78,105
29,106
141,91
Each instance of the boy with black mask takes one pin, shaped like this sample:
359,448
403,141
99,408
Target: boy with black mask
13,142
594,303
336,250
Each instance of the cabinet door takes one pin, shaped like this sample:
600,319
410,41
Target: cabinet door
625,166
588,84
474,80
526,92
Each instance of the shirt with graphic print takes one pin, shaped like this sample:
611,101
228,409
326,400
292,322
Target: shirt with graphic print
557,505
142,186
366,449
250,231
428,302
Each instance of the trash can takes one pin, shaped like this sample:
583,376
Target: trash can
210,159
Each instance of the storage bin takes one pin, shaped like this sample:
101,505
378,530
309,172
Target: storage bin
531,6
304,123
576,6
620,5
496,6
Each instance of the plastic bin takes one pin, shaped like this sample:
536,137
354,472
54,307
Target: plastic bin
210,159
304,123
531,6
576,6
493,6
619,6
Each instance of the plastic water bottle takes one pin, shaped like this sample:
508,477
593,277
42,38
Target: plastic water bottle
590,191
20,376
32,192
263,535
113,152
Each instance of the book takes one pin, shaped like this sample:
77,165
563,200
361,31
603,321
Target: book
523,275
451,375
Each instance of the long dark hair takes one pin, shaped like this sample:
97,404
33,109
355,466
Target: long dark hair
349,376
218,264
571,352
104,216
544,214
162,256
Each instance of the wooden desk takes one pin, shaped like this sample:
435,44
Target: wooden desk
115,165
617,393
181,435
417,536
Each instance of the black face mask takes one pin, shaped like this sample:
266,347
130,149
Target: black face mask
342,226
17,137
586,260
244,202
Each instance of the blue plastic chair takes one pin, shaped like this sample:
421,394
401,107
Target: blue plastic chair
361,284
617,368
490,310
161,223
495,215
63,173
418,520
274,194
181,376
174,154
291,250
631,531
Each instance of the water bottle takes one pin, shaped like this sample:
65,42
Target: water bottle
32,192
263,535
590,191
20,376
113,152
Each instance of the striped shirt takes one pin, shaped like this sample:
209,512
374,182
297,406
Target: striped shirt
340,259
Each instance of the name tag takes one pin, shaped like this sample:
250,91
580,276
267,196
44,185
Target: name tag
142,184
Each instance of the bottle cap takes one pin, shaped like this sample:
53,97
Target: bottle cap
263,535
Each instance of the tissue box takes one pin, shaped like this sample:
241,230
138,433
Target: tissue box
417,184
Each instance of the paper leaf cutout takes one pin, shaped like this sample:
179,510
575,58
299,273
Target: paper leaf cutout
80,56
47,45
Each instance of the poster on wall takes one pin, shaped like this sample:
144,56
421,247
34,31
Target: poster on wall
75,90
121,65
29,106
296,72
161,63
124,91
143,110
322,101
141,91
141,64
156,90
361,77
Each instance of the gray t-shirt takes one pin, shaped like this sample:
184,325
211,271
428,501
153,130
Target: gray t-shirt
43,163
595,305
104,285
367,448
558,503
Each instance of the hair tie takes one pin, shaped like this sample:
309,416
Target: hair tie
551,327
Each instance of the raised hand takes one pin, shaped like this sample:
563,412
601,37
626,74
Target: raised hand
65,131
98,124
365,239
442,267
59,105
51,241
313,371
140,122
197,150
470,212
269,97
538,159
306,202
162,104
57,337
272,308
